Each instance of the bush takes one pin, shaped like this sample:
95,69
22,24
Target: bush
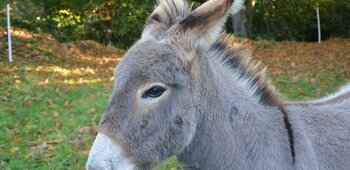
296,20
120,22
117,22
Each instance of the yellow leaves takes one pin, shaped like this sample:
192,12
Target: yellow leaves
65,17
71,64
55,114
17,78
107,18
111,79
27,126
82,81
13,150
124,5
65,11
64,72
21,34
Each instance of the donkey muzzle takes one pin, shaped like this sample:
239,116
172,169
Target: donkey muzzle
106,155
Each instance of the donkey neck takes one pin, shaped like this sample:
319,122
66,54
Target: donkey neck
234,129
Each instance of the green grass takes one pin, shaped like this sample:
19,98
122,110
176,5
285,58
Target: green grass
43,125
307,88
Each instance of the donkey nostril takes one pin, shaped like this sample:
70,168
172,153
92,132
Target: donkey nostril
178,120
144,123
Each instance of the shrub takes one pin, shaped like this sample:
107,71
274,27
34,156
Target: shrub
296,20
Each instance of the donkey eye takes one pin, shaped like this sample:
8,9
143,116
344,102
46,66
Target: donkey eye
153,92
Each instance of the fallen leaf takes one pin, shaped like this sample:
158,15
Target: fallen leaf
88,130
16,139
66,104
300,91
3,164
78,142
13,150
4,98
10,110
296,78
55,114
49,101
56,141
312,80
92,110
41,151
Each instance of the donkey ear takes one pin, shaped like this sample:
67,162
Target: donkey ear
203,26
166,14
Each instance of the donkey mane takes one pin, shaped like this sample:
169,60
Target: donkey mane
238,61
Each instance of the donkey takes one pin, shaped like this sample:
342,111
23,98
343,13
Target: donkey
182,91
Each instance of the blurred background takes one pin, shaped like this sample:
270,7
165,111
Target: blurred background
119,22
55,91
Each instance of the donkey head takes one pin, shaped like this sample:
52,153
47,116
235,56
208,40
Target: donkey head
152,114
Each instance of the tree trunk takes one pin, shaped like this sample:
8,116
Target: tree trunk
249,14
239,22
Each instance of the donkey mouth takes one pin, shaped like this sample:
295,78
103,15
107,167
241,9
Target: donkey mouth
105,154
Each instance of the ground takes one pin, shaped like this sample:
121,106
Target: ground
53,94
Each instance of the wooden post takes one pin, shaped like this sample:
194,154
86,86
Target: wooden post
9,32
318,24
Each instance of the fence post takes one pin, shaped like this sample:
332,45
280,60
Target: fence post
9,32
318,24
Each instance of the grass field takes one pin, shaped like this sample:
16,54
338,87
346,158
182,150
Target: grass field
53,95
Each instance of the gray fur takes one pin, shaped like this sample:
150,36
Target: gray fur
218,111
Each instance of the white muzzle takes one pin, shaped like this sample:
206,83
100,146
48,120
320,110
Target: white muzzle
105,154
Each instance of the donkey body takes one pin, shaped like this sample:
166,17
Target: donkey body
180,90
